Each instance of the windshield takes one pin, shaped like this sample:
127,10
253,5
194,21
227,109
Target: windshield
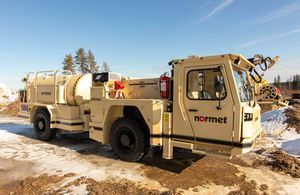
244,88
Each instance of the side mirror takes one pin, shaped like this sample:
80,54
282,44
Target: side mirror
24,80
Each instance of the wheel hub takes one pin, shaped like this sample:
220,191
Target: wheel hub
125,141
41,125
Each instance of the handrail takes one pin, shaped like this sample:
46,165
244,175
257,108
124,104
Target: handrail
36,75
55,73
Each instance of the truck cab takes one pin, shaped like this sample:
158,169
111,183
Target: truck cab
214,111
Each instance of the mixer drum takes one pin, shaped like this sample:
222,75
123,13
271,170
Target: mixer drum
78,89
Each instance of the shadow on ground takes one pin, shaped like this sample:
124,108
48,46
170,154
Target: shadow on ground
80,143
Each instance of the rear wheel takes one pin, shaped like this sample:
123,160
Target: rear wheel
41,126
129,139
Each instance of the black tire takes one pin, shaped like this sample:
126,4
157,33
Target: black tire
129,139
41,126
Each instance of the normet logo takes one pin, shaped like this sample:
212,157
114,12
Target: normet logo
210,119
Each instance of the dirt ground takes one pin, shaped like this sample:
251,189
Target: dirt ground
10,109
279,161
187,172
74,164
43,185
293,116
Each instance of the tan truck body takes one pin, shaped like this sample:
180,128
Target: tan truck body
197,115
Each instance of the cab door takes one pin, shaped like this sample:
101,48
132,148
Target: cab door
209,105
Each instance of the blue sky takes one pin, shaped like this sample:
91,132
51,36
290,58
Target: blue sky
138,38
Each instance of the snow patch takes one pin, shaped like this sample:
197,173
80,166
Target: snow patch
17,143
7,95
273,120
281,184
289,139
81,189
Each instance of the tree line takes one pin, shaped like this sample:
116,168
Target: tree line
291,83
83,62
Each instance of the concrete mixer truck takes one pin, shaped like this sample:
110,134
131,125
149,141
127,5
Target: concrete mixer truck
205,104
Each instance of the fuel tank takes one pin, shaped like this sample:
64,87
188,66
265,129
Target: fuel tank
61,89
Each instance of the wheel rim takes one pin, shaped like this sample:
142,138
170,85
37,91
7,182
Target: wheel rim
126,140
41,125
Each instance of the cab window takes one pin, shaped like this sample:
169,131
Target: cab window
203,84
243,85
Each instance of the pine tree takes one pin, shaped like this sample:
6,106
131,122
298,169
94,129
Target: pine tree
81,61
296,82
68,63
288,83
275,81
278,81
92,64
105,67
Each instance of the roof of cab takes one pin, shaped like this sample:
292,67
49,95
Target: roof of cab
193,58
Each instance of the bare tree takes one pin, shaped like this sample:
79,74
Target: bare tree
105,67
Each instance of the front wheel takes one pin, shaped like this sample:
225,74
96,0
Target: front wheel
129,139
41,126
